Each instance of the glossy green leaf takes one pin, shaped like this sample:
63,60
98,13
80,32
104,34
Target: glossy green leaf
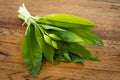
73,58
39,37
62,53
42,19
88,36
79,50
31,52
68,36
76,58
66,54
48,52
62,59
54,36
48,27
68,21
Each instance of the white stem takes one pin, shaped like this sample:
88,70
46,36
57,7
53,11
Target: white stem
25,15
24,12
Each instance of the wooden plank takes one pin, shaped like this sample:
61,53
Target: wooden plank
105,13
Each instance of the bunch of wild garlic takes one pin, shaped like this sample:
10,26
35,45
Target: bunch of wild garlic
55,38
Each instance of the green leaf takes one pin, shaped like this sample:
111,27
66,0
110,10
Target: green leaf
68,21
31,51
79,50
73,58
42,19
76,58
49,52
39,37
88,36
54,36
66,54
68,36
48,27
62,53
63,59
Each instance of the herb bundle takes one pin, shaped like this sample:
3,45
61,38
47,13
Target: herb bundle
55,38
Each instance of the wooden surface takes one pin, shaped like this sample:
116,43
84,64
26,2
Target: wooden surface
105,13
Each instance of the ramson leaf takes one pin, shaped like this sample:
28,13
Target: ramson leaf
69,36
67,21
48,52
73,58
39,37
79,50
88,36
66,54
48,27
31,51
76,58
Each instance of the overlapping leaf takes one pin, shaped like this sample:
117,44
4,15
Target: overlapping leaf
31,51
68,21
48,52
88,36
80,51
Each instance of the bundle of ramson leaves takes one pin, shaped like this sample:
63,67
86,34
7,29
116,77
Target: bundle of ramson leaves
56,38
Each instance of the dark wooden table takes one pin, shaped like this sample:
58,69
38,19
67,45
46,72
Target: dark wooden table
105,13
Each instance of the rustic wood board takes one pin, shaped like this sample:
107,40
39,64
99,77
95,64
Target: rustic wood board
105,13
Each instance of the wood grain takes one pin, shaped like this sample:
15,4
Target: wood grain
105,13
